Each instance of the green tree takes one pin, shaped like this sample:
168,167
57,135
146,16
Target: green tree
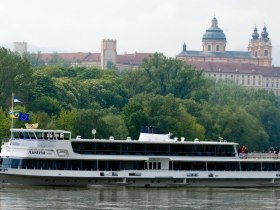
171,76
56,60
15,76
47,104
34,59
5,125
166,113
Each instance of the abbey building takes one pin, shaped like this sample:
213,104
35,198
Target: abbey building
252,68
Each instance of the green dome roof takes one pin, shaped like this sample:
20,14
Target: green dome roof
214,32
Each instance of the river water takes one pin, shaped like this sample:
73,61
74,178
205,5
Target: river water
23,197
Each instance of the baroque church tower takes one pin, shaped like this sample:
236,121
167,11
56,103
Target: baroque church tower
261,48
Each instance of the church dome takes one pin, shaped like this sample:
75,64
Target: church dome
264,33
255,35
214,32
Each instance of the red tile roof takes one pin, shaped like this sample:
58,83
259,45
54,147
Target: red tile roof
67,56
132,59
126,59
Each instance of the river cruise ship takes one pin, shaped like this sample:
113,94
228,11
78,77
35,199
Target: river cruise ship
52,157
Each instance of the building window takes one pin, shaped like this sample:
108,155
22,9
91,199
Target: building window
217,47
242,81
266,53
248,82
253,82
209,48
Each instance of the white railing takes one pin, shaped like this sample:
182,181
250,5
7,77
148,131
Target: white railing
256,155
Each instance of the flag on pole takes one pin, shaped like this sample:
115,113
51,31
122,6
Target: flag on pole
16,100
13,114
23,116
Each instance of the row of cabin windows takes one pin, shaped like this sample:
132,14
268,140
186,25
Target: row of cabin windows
113,165
116,148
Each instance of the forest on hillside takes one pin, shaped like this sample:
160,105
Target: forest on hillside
164,92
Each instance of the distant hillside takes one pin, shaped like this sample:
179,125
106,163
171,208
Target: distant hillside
33,48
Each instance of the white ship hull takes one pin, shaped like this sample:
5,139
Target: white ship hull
140,178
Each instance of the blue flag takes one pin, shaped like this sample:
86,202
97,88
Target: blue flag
23,116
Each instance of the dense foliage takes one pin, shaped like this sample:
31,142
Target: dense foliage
163,92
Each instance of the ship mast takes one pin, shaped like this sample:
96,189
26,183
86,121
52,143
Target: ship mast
12,126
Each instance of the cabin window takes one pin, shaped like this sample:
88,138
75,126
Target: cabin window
223,166
268,166
15,163
39,135
6,163
250,166
66,136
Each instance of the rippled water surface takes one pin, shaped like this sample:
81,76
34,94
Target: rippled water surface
22,197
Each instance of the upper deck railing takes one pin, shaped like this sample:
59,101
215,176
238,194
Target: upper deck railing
256,155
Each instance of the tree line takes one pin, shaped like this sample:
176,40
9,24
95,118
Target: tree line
163,92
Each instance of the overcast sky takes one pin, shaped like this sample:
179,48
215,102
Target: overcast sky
138,25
